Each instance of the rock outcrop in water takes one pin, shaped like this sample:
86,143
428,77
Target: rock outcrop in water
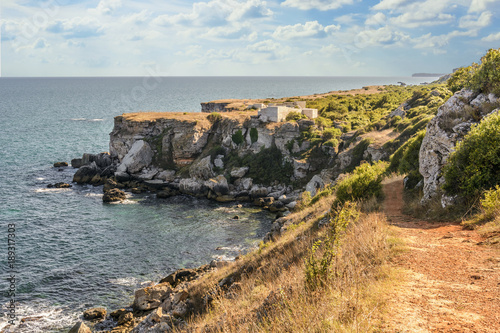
452,122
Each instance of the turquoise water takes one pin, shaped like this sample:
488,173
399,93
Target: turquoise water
73,252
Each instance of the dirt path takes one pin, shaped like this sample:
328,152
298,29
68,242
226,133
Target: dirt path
449,282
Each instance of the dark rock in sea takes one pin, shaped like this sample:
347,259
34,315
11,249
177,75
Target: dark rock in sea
122,177
76,163
102,160
80,327
110,184
114,195
59,185
108,171
60,164
95,314
167,193
85,174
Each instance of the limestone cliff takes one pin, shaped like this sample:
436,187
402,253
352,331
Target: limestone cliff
452,122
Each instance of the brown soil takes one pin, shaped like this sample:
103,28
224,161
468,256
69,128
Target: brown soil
449,282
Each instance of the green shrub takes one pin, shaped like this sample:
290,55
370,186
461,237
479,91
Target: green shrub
214,116
254,135
405,159
491,202
267,166
331,133
238,137
318,266
483,77
487,77
357,154
362,183
474,166
332,142
294,115
325,192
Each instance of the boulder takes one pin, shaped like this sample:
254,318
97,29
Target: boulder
102,160
76,163
246,184
202,169
85,174
94,314
179,276
122,176
300,168
148,174
138,157
218,185
258,191
114,195
218,162
59,185
239,172
167,175
80,327
192,187
151,297
60,164
314,184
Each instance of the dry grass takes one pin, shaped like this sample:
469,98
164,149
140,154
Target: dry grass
186,116
269,293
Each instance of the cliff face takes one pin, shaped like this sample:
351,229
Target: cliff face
452,122
176,142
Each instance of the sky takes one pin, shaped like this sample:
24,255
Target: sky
236,37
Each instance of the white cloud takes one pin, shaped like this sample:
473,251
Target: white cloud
479,5
137,18
106,7
376,19
437,42
389,4
217,13
492,37
310,29
475,22
424,13
384,36
77,27
317,4
272,49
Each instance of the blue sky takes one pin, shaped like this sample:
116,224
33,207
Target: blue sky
236,37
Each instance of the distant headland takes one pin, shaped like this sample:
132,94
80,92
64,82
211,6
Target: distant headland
427,75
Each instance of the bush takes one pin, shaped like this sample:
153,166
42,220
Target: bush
254,135
267,166
331,133
238,137
362,183
491,202
474,166
405,159
318,268
295,116
214,116
484,77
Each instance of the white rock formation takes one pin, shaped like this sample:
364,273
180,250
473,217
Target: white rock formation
452,122
139,156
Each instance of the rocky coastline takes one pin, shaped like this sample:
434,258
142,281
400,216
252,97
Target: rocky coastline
237,157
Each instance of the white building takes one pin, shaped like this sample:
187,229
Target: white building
277,112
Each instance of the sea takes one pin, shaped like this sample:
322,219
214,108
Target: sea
62,250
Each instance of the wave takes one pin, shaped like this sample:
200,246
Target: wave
38,318
87,119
